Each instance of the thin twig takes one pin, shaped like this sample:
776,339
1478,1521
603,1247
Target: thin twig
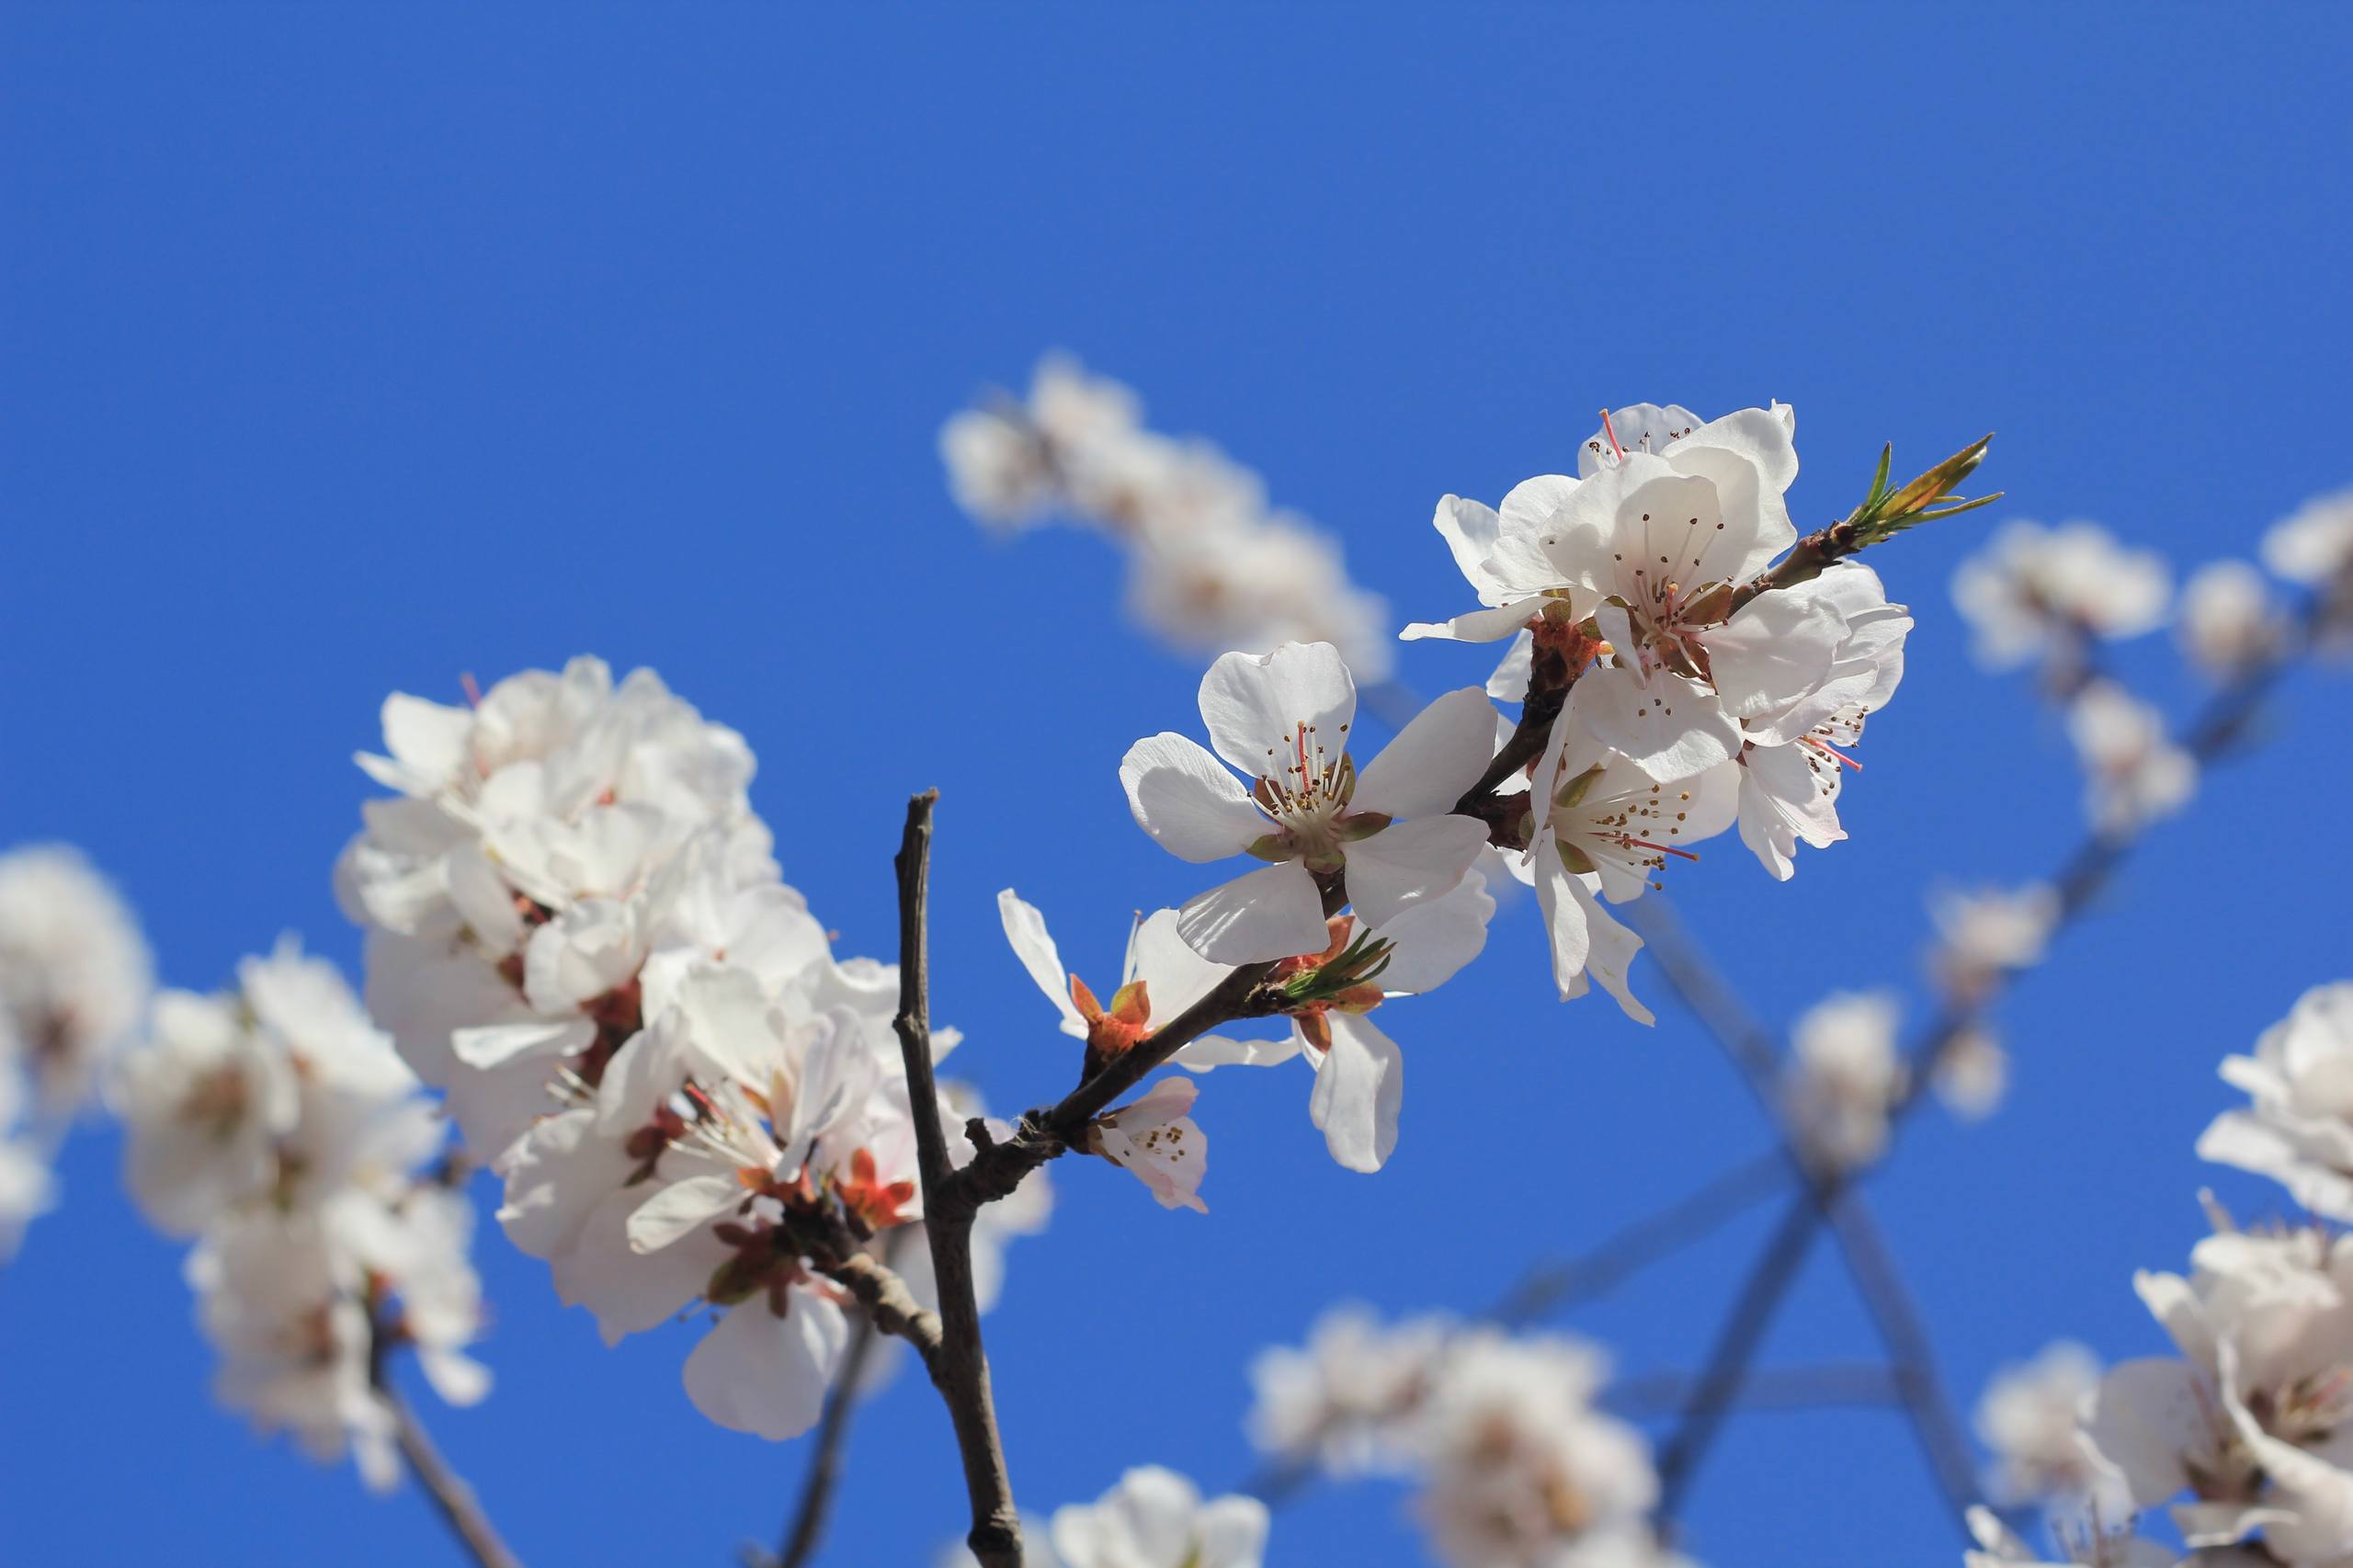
807,1528
2085,873
451,1497
1943,1439
959,1369
1768,1388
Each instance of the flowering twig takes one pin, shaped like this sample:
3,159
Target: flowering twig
959,1369
452,1498
2085,873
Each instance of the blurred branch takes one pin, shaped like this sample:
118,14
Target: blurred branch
452,1498
807,1527
1835,1386
2084,874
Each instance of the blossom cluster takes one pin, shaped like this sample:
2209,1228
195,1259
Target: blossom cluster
2241,1435
1153,1519
74,981
1516,1464
278,1126
576,931
1212,565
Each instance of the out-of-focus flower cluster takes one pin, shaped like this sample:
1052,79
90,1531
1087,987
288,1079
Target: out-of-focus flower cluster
74,981
1516,1466
1212,565
576,931
1153,1519
2244,1435
275,1125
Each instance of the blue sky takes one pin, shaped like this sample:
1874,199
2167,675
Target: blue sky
349,348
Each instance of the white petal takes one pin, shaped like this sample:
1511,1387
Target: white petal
760,1373
1253,703
1476,626
1438,755
1432,940
1194,809
1773,653
1359,1089
1175,976
495,1045
1216,1051
1272,913
1670,727
1025,929
1411,862
679,1208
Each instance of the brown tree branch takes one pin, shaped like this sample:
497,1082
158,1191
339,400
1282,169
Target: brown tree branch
881,1299
451,1497
960,1367
2085,873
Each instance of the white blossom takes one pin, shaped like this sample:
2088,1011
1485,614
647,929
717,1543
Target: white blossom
2299,1129
2037,593
2134,773
1845,1073
1282,720
1986,934
1349,1399
1157,1519
27,1190
1155,1139
2314,544
74,973
1973,1073
2229,621
2030,1417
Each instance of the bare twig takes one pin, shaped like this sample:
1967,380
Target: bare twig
2084,875
1830,1387
1878,1281
451,1497
807,1528
960,1367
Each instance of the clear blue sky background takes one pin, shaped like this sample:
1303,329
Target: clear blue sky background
347,349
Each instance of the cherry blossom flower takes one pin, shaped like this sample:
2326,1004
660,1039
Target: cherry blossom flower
1972,1074
1521,1470
2030,1417
1986,934
1282,719
74,973
1155,1139
1157,1519
2043,593
2133,772
1845,1071
2299,1131
1347,1400
2314,544
2229,620
1502,552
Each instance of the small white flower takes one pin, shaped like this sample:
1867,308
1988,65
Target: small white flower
2229,622
2030,1417
2314,545
1155,1139
1988,933
1845,1073
1156,1518
2040,592
75,971
2134,773
1282,719
1972,1074
1348,1399
2299,1131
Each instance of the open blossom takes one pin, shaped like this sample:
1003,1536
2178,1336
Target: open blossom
2133,772
1793,758
2299,1131
1282,719
1157,1519
2042,593
1603,828
2029,1417
1985,933
1212,565
74,973
2250,1418
1521,1470
1845,1074
1347,1400
2229,621
282,1092
1973,1073
1155,1139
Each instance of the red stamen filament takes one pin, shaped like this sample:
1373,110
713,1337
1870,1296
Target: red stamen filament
472,691
1610,430
1660,848
1833,752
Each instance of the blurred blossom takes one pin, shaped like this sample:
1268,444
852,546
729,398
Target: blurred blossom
2229,620
2134,773
1986,934
2314,544
1844,1073
74,973
1157,1519
1347,1399
1972,1074
2030,1417
1211,567
2042,594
